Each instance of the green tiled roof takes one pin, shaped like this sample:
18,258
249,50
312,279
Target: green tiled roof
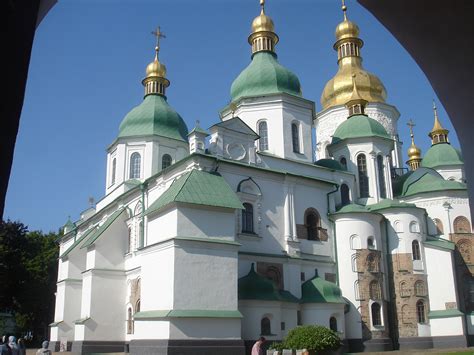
330,163
264,75
78,241
445,313
428,180
98,232
198,129
439,243
256,287
199,188
440,155
69,226
359,126
388,203
154,116
352,208
317,290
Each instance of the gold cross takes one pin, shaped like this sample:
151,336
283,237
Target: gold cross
411,124
158,35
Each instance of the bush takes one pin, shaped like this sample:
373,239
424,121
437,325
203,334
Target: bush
312,337
278,346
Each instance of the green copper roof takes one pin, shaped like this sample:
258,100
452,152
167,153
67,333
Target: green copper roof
200,188
439,243
257,287
442,154
359,126
387,203
317,290
330,164
198,129
98,232
428,180
69,226
352,208
154,116
264,75
77,242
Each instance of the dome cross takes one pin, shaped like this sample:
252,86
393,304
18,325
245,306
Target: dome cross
158,34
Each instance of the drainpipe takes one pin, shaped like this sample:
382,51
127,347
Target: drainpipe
391,291
334,231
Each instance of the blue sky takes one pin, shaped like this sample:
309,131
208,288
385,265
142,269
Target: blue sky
89,58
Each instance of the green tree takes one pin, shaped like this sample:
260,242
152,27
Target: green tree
311,337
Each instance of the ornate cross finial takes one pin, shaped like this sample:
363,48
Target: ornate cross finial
411,124
158,35
344,9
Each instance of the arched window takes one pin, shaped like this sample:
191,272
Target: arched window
415,250
357,293
114,171
343,162
129,321
333,324
420,289
376,316
420,311
398,226
374,290
137,306
355,242
372,263
166,161
414,227
345,195
464,247
295,137
380,170
404,290
439,226
274,274
312,221
247,218
461,225
370,243
265,326
135,162
354,258
263,133
363,177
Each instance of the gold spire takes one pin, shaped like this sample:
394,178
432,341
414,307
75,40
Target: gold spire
155,81
338,90
438,134
414,153
263,36
356,104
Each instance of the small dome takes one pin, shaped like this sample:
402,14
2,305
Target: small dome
330,164
154,116
155,68
359,126
347,29
264,75
263,23
441,155
424,180
318,290
69,226
414,152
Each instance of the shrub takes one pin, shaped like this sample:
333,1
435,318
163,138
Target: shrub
312,337
278,346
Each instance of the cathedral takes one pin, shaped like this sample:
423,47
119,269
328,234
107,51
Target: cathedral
276,216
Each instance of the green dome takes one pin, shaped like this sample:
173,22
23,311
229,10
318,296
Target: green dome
441,154
330,164
428,180
264,75
318,290
154,116
359,126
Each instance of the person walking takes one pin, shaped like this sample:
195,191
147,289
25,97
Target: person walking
257,348
44,349
21,346
12,348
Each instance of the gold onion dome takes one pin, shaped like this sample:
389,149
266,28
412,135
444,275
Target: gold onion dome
263,23
263,36
338,90
155,68
414,153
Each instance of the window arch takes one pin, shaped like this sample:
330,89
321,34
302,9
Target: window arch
374,290
114,171
137,306
357,293
420,311
398,226
439,226
166,161
420,289
129,321
381,174
372,263
415,250
345,195
265,326
343,162
312,223
376,314
414,227
363,177
135,164
263,133
404,290
247,218
355,242
333,324
370,243
295,137
461,225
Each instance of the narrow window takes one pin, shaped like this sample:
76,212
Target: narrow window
247,218
420,312
420,288
135,161
129,321
370,243
372,263
263,133
376,316
333,324
343,162
114,170
380,168
298,318
415,249
295,135
363,178
404,291
345,197
137,306
166,161
374,290
312,224
265,326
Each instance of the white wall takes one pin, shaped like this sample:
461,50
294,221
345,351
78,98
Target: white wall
447,326
440,271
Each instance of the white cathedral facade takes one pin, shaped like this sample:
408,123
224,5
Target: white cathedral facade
206,240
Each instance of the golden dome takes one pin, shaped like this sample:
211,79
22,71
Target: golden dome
414,152
347,29
263,23
156,68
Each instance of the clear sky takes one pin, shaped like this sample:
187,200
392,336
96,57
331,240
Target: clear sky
89,58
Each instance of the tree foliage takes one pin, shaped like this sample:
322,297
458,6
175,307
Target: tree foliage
28,273
310,337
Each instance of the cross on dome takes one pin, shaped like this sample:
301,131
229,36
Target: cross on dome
158,34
